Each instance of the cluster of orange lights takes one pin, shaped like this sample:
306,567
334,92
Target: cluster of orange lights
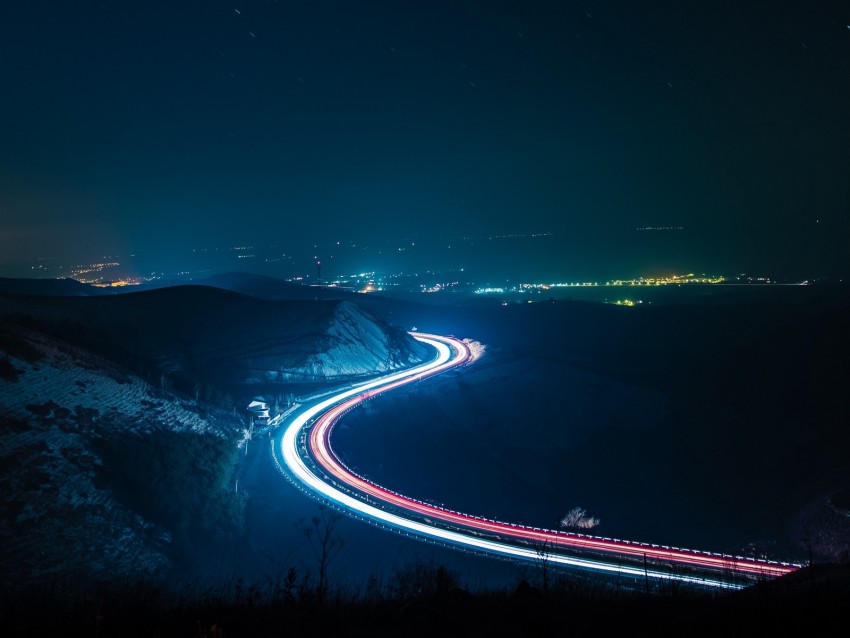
118,283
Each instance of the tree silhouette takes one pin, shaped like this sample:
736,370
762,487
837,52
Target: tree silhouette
325,544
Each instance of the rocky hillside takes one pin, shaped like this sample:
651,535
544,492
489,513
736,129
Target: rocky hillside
71,504
119,431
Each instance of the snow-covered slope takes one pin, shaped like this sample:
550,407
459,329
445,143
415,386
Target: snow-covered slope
58,405
348,342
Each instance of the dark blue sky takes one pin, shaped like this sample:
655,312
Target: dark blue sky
155,126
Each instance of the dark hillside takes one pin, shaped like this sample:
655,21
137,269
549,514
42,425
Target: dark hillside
273,289
197,334
715,426
105,475
98,446
46,287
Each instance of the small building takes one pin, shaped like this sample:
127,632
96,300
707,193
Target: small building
259,409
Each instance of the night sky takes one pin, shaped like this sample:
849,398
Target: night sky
156,126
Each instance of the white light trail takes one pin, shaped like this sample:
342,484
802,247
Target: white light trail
445,347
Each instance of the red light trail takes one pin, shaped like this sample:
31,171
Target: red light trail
457,526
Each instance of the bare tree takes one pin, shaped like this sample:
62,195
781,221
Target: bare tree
577,518
544,561
325,544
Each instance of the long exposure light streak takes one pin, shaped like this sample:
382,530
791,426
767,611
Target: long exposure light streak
438,524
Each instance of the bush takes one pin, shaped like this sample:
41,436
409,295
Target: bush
181,481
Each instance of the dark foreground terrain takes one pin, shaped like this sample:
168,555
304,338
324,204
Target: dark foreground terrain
811,602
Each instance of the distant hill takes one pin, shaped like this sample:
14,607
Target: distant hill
201,334
46,287
260,286
274,289
396,311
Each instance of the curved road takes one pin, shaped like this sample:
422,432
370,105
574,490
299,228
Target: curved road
304,453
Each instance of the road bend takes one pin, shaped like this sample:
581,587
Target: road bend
303,452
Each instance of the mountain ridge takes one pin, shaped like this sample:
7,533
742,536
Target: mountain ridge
211,335
121,418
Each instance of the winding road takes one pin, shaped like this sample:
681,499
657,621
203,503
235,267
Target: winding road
303,452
